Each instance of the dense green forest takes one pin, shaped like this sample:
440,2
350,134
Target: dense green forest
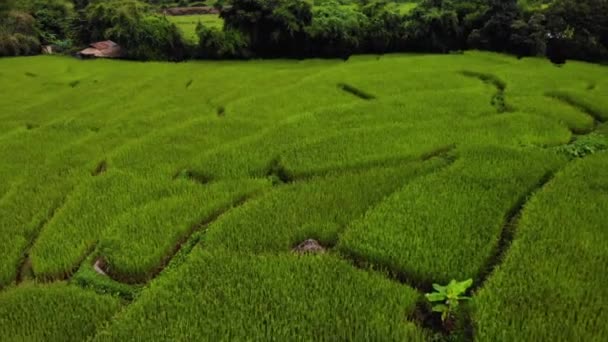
560,29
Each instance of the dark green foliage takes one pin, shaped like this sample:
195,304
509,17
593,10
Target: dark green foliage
432,29
273,27
216,44
585,145
496,30
18,34
132,25
336,31
579,28
528,38
53,19
560,29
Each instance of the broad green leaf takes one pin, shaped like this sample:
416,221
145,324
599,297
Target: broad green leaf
463,286
439,288
440,308
435,297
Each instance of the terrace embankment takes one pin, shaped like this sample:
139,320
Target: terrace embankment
498,99
596,113
356,91
192,234
24,270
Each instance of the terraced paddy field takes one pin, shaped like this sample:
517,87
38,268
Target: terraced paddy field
188,23
162,202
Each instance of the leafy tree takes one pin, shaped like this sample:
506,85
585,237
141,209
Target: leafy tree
216,44
433,29
579,29
135,27
496,31
336,31
528,38
18,34
384,26
273,27
53,19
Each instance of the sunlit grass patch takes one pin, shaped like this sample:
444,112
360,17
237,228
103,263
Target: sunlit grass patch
447,225
319,208
284,297
57,312
554,272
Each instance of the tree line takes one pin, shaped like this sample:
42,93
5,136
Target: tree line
558,29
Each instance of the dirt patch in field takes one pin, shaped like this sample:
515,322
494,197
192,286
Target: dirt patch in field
99,266
356,91
100,168
310,246
221,111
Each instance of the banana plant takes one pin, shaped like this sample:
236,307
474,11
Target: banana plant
446,299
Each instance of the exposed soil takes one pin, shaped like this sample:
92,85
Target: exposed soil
221,111
99,266
355,91
310,246
100,168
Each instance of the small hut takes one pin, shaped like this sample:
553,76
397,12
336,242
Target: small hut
105,49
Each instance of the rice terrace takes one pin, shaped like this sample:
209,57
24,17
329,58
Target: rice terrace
302,194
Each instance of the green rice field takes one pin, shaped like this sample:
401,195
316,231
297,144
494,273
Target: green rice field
187,24
162,202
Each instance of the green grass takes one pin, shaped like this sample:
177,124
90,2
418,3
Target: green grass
554,274
274,224
217,169
56,312
187,24
446,225
304,298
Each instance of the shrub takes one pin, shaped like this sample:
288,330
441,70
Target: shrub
216,44
335,31
131,24
18,34
53,18
55,312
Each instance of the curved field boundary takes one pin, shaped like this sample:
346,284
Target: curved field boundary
599,115
184,241
499,99
24,270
